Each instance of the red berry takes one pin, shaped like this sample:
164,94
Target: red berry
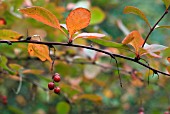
166,112
141,110
57,90
5,102
51,86
2,21
4,98
56,77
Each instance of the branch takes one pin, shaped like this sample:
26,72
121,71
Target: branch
151,30
112,55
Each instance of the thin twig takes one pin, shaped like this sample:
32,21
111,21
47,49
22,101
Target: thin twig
151,30
88,47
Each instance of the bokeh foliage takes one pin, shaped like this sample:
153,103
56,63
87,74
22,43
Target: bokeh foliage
85,87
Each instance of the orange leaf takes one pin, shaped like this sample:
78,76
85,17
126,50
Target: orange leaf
134,39
42,15
168,59
77,19
89,35
168,68
39,50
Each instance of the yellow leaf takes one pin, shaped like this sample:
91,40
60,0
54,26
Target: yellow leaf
91,97
43,15
134,39
9,35
77,19
39,50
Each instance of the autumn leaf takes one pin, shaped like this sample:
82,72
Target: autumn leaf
134,39
39,50
77,19
9,35
89,35
168,59
42,15
134,10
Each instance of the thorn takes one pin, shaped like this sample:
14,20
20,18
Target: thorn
28,38
9,43
148,80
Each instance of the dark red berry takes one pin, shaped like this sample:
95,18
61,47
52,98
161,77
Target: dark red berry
141,110
56,77
2,21
4,98
5,102
57,90
51,86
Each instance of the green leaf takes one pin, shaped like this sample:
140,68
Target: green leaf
43,15
15,110
96,12
134,10
63,108
168,27
109,43
15,67
9,35
167,3
3,64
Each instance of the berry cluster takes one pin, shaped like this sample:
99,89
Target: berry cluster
141,110
51,85
4,100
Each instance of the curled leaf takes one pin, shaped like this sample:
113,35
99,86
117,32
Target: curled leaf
41,14
39,50
134,39
9,35
152,49
89,35
77,19
134,10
